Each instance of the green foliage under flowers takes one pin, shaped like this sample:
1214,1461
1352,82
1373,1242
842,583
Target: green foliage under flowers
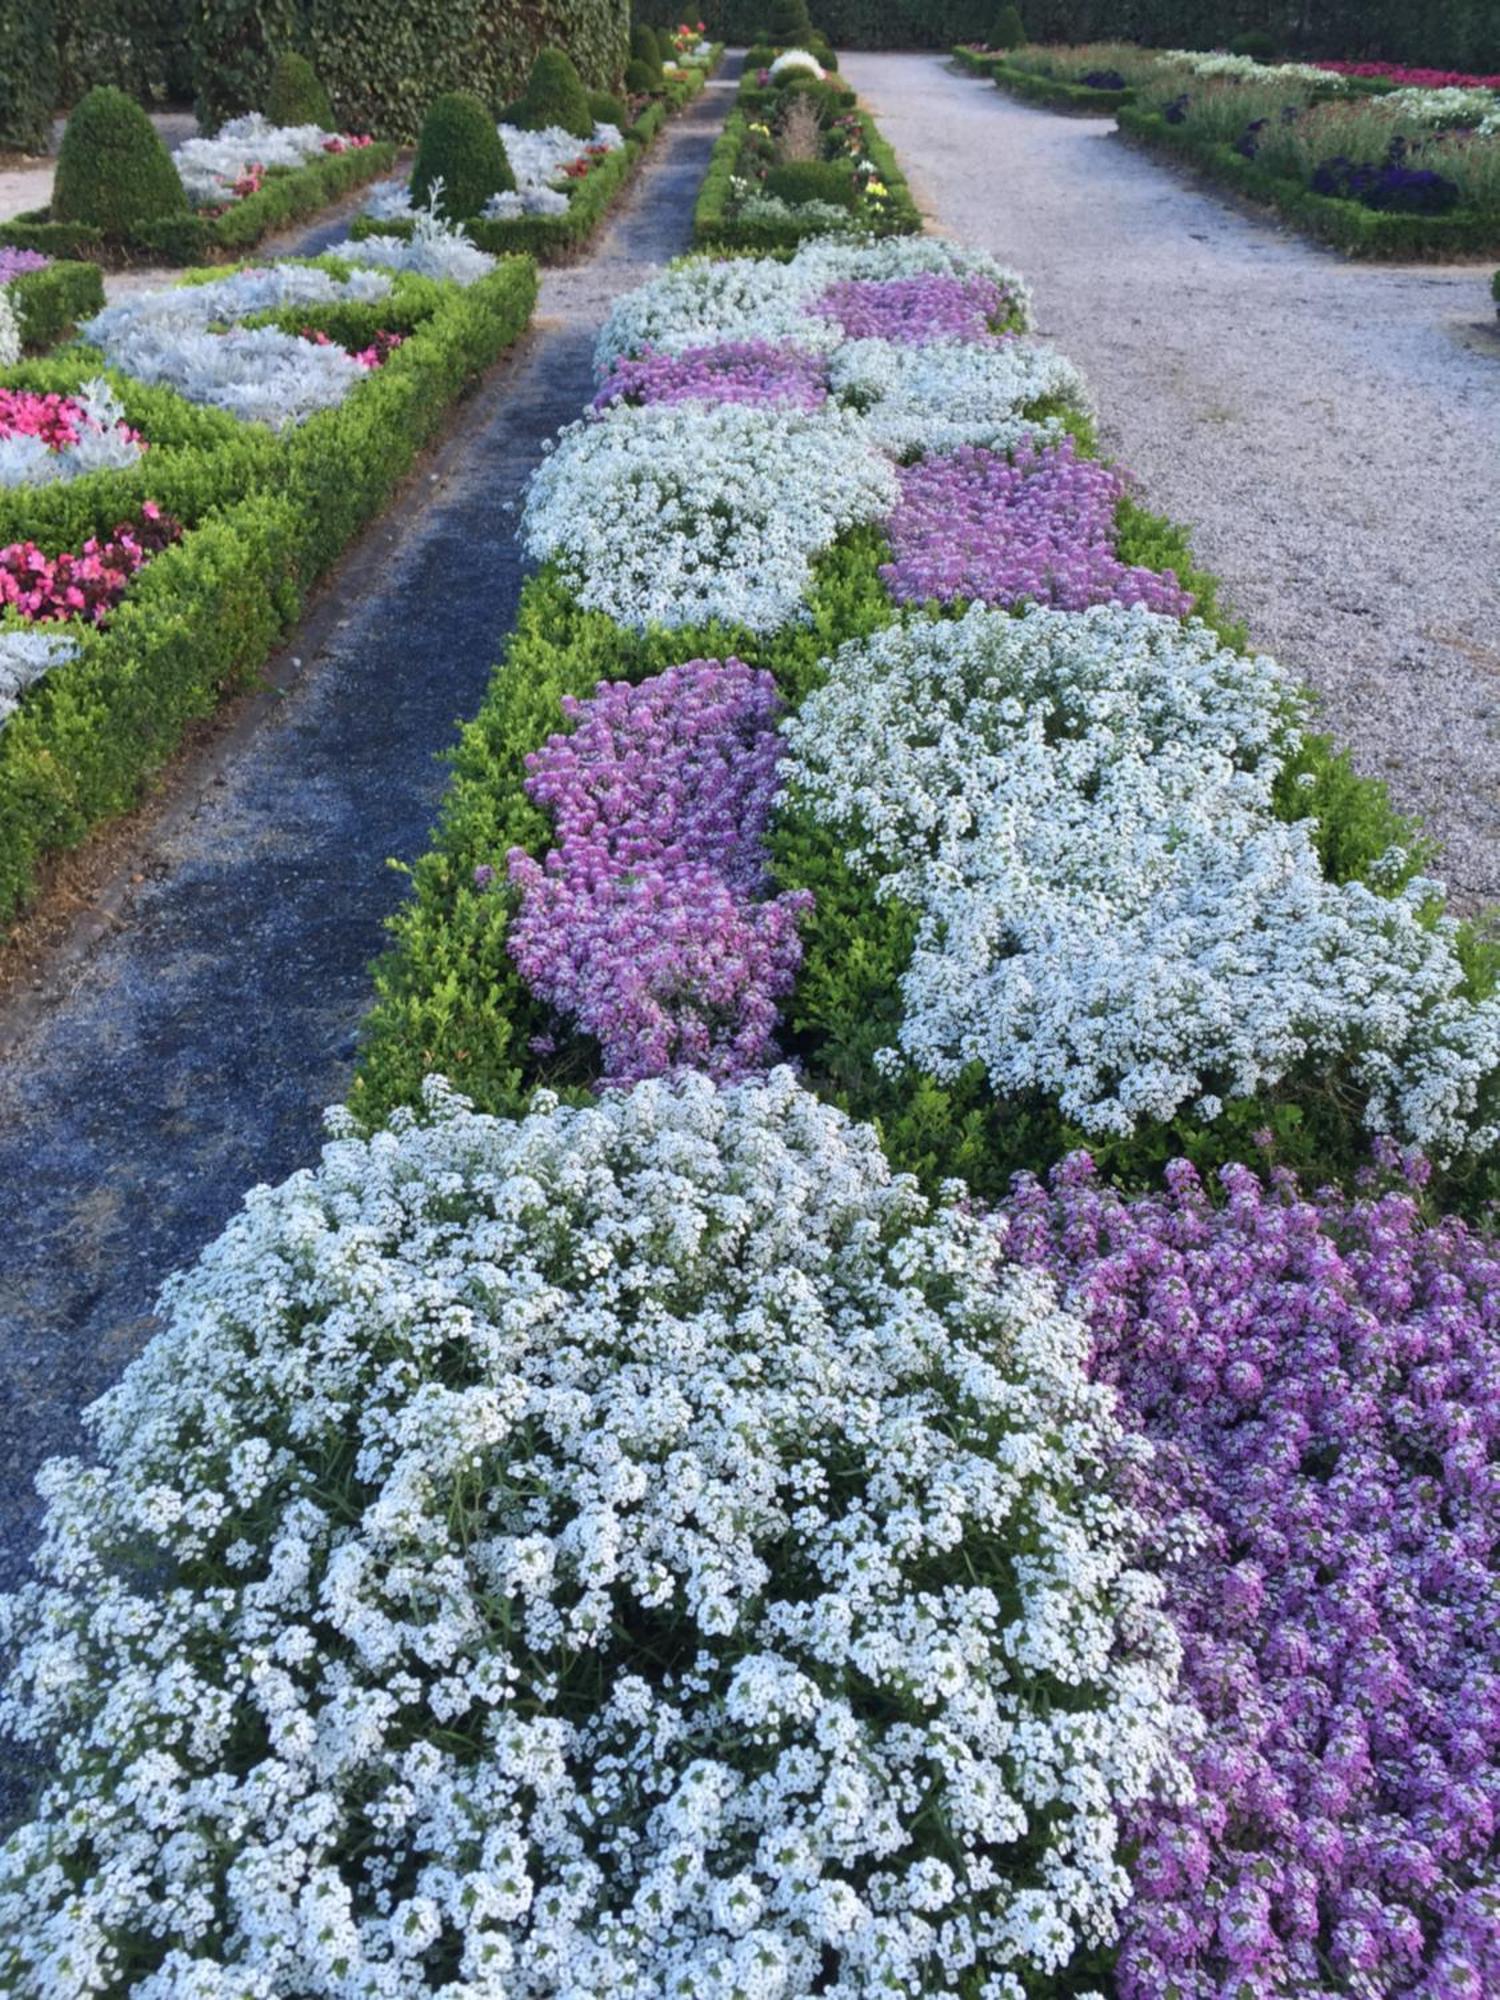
49,303
460,148
555,96
266,516
812,180
296,97
113,172
1009,31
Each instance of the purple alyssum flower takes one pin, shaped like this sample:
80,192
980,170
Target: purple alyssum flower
728,371
648,923
934,305
974,523
1320,1377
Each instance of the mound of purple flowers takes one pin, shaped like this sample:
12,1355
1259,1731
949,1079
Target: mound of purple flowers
973,523
931,306
646,923
1392,187
730,371
16,263
1321,1378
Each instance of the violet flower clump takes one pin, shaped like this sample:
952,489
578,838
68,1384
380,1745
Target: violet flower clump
974,523
1321,1379
728,371
933,305
16,263
648,923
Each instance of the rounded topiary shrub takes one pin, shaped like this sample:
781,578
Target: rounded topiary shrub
555,96
460,147
296,97
819,45
812,180
790,22
1009,31
113,172
760,57
607,109
644,48
642,79
635,1550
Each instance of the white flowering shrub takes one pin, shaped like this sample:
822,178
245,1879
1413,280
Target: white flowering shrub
948,393
104,443
25,657
677,513
705,299
797,62
10,332
1077,806
640,1551
209,167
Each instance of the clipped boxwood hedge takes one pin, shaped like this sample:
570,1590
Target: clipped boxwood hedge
284,198
1056,93
49,303
1348,225
265,516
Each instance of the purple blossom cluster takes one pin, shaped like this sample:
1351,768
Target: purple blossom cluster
729,371
648,922
974,523
16,263
1321,1379
934,305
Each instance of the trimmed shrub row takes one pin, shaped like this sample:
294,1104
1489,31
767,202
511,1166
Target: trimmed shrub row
49,303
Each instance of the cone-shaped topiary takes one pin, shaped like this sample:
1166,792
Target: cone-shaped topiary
645,48
555,96
790,23
460,147
113,172
1009,31
642,79
607,109
296,97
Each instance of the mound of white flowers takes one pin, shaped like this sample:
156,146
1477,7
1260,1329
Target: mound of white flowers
1109,909
679,513
634,1551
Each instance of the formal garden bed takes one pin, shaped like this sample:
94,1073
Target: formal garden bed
891,1378
46,296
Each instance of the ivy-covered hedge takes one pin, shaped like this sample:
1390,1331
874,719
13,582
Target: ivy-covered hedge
265,517
140,46
1349,225
28,74
284,198
383,63
49,303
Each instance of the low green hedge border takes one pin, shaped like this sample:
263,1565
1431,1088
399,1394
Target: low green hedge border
283,199
714,229
1057,94
202,616
550,238
50,303
1348,225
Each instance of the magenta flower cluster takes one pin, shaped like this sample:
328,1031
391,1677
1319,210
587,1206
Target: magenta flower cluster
648,924
16,263
1321,1379
729,371
974,523
934,305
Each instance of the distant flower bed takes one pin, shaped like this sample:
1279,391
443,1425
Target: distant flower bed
235,161
1422,79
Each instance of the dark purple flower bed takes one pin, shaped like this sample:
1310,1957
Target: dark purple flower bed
647,925
1321,1379
730,371
976,524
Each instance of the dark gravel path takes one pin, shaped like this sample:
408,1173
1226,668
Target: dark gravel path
189,1051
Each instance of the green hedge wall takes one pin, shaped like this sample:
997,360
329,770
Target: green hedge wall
28,73
140,46
383,61
1458,34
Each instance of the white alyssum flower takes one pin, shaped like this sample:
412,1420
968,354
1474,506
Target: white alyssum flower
640,1551
209,168
797,62
676,514
1215,63
1077,807
10,331
706,299
104,444
26,656
949,393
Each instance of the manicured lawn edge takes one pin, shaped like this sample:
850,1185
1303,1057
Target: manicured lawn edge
285,198
204,614
1348,225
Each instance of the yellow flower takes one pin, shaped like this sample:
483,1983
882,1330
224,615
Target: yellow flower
876,187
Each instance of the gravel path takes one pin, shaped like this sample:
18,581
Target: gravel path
186,1055
1330,431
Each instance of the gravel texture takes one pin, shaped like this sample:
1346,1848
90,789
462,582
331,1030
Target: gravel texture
1330,431
186,1054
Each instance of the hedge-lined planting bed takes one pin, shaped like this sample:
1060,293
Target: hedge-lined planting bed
639,1545
590,196
1037,87
48,296
285,197
304,447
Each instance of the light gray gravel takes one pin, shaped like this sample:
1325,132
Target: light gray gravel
1330,431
